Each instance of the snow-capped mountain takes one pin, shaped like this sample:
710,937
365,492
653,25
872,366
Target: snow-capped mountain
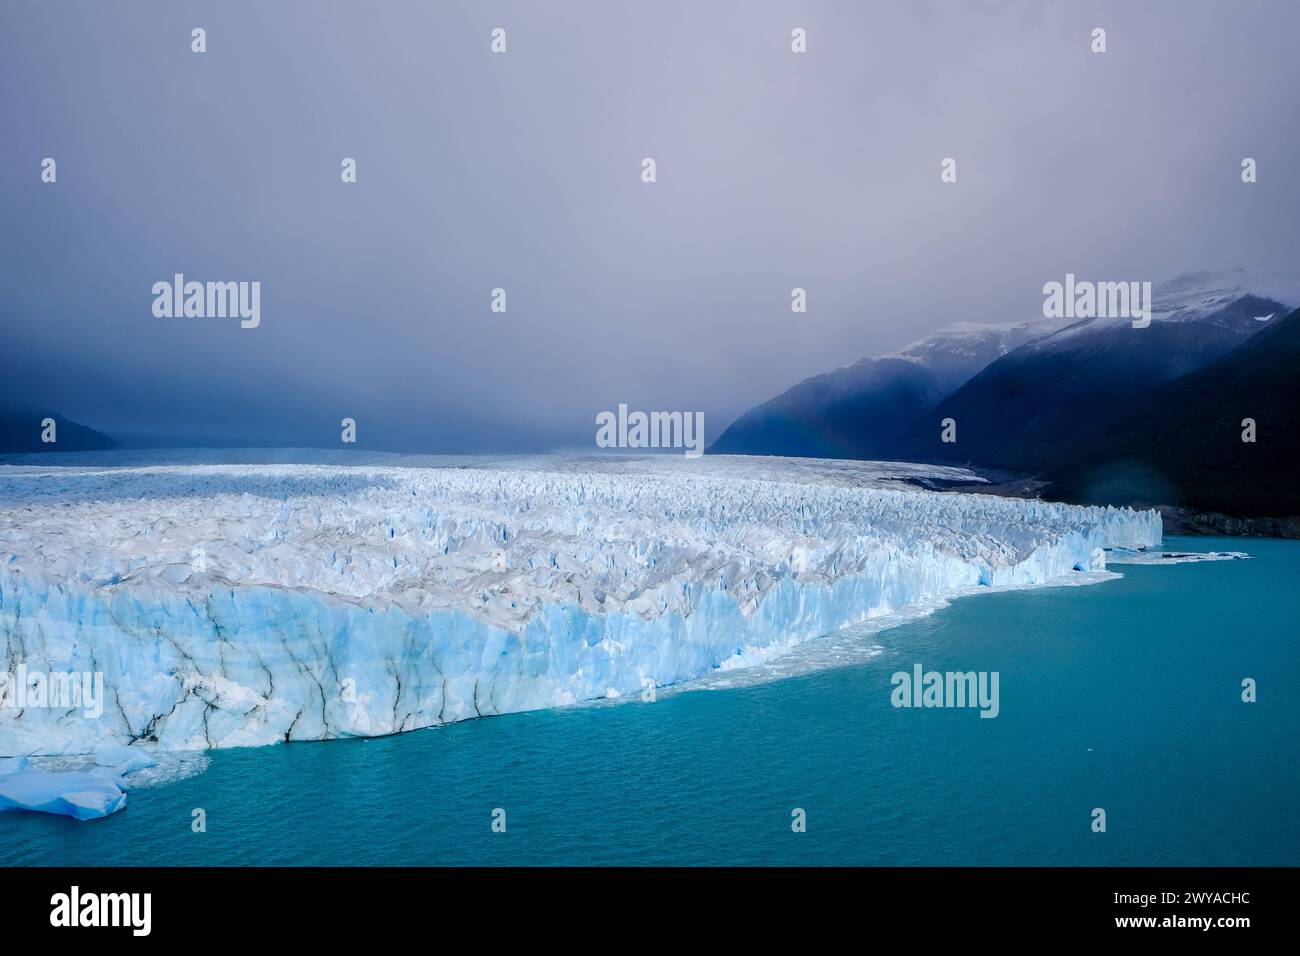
1028,407
1182,445
1208,296
871,408
963,348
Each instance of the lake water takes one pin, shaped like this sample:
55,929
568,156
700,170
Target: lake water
1124,695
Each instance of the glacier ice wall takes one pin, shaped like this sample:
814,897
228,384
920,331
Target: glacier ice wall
249,604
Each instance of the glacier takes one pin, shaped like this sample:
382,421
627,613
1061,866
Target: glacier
249,604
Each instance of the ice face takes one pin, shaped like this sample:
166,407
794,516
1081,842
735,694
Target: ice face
248,604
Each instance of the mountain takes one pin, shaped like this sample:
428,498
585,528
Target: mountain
1031,406
1182,445
20,432
872,408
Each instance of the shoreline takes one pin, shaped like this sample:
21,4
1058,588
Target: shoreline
1177,519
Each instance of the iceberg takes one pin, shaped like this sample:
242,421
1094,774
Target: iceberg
1127,556
83,796
245,605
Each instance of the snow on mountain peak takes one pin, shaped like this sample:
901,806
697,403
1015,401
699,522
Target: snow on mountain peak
972,345
1191,297
1198,294
1262,284
1188,297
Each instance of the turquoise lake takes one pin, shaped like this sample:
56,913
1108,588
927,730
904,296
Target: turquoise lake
1124,695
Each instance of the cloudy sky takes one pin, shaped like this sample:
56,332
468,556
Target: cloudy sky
522,171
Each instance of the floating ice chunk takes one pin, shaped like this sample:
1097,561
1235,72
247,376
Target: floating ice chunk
124,760
82,796
1144,556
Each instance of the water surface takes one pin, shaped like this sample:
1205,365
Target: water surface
1124,695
